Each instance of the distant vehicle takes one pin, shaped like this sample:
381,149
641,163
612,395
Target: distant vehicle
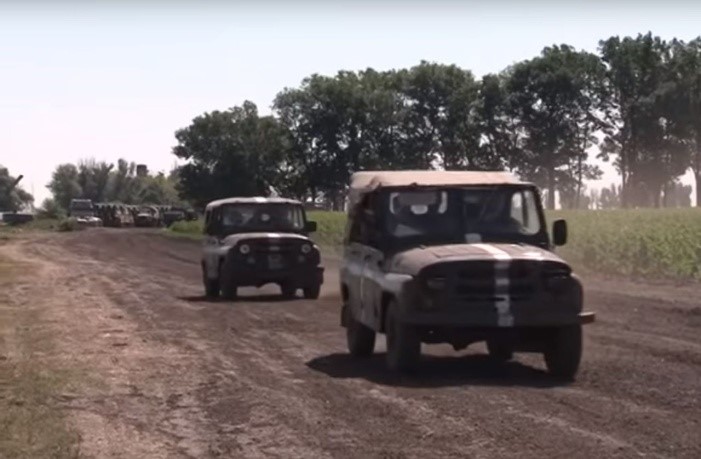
458,258
175,214
147,216
16,218
84,212
257,241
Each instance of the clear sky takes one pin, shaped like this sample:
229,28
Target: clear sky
115,78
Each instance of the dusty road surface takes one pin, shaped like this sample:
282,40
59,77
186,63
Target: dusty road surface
166,373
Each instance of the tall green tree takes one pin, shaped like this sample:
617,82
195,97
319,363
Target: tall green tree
441,125
553,102
685,101
64,184
650,151
231,153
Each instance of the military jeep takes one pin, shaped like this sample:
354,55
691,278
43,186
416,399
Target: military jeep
251,242
459,258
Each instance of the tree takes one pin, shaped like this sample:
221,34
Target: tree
12,196
50,209
64,185
553,101
229,153
441,125
686,101
643,111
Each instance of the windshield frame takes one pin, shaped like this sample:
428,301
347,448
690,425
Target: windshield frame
214,226
394,243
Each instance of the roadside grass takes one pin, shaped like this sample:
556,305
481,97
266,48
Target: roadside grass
188,230
636,242
662,243
31,424
331,226
40,224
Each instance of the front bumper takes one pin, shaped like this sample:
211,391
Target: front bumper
298,277
490,316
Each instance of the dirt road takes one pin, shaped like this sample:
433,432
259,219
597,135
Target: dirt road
170,374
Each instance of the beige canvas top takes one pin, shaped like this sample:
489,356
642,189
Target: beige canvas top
376,179
367,181
252,200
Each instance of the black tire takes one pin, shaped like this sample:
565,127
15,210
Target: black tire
288,290
211,286
403,344
500,351
360,338
563,351
229,290
312,293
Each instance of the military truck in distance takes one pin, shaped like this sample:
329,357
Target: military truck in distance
457,257
257,241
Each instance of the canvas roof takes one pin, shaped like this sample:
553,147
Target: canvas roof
376,179
367,181
252,200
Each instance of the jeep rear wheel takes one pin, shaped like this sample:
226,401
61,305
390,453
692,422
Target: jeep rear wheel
403,344
312,293
499,350
360,338
563,351
211,286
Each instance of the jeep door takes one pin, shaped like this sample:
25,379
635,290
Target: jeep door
352,268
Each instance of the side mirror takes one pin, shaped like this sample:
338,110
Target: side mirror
310,227
559,232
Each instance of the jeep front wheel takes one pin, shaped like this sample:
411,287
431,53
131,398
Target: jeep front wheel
403,344
360,338
211,286
229,290
312,293
563,351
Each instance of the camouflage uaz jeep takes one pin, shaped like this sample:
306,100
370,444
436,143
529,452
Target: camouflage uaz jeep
257,241
458,258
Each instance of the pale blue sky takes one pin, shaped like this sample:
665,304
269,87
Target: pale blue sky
117,80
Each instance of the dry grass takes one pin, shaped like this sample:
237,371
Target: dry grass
31,423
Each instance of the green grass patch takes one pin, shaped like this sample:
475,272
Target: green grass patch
330,229
40,224
190,230
31,423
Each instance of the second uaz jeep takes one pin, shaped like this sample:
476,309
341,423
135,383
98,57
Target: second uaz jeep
256,241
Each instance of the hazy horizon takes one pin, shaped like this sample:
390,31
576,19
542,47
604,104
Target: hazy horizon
118,80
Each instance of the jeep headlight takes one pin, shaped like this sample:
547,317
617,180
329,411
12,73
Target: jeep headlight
245,249
306,248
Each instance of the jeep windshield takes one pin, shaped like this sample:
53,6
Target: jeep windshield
472,214
246,218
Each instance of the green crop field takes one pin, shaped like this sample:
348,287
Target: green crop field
642,242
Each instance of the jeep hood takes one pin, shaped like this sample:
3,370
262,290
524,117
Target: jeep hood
233,239
414,260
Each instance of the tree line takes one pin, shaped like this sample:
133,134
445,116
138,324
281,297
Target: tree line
100,181
635,103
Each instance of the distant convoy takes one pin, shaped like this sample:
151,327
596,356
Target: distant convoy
428,257
118,215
